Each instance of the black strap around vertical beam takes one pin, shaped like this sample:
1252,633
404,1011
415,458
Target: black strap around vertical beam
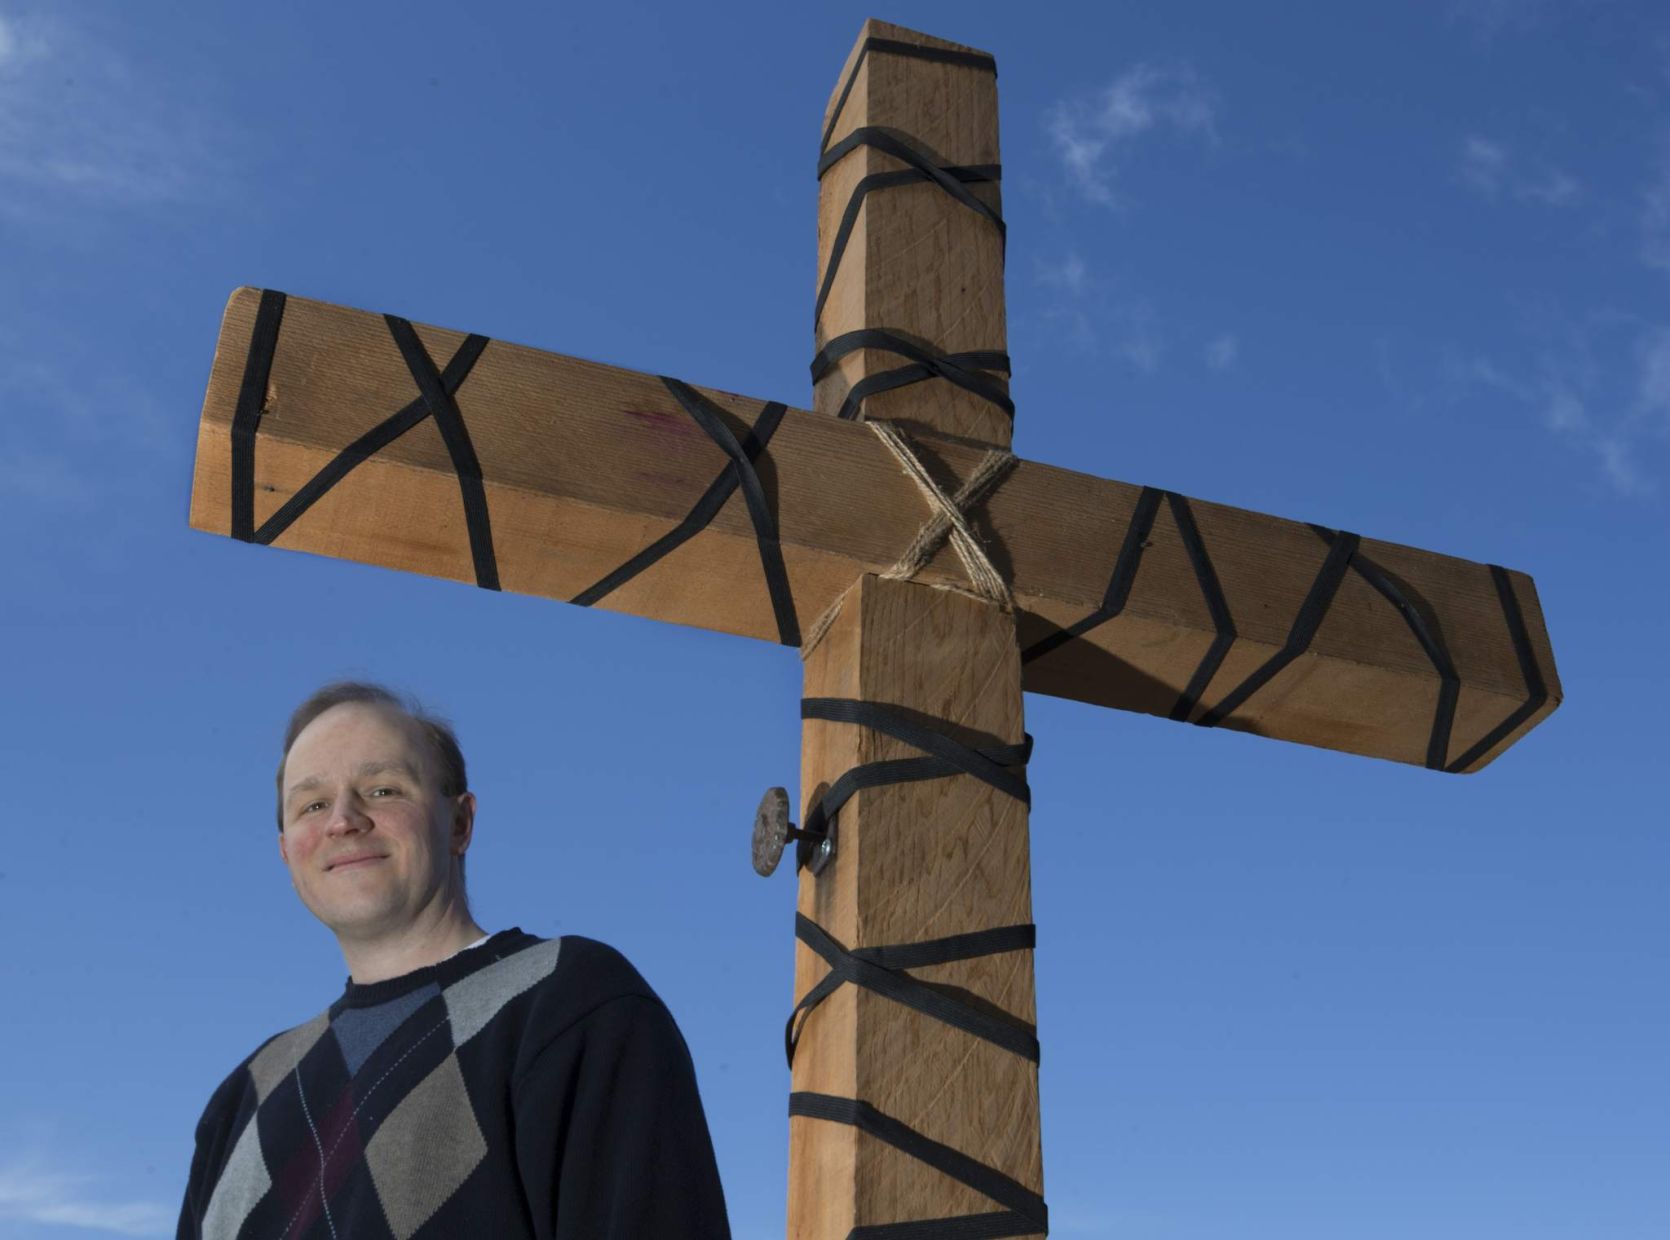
1025,1213
965,370
913,51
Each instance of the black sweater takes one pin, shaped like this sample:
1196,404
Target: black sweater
523,1088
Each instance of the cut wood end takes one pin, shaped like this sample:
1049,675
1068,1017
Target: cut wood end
875,28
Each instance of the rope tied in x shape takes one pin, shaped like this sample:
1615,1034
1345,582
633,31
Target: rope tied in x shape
948,520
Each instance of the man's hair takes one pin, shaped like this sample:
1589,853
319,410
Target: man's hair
437,733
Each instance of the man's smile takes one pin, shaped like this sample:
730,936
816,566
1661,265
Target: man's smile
357,859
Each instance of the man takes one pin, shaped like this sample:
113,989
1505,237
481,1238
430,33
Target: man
464,1084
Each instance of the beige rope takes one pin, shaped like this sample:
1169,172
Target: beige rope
949,519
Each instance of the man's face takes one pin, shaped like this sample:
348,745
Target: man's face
368,837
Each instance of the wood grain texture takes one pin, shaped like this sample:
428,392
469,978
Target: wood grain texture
915,862
587,464
918,262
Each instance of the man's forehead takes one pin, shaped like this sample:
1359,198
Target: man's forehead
371,732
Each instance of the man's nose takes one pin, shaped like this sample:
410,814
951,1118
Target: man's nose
347,815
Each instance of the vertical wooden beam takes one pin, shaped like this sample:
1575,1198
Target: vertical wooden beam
914,862
917,262
942,857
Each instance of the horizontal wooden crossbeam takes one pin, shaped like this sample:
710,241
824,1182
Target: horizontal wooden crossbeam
1125,596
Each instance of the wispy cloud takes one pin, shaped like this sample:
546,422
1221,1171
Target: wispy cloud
1606,395
1137,336
1655,213
1095,316
1221,351
1488,167
1489,18
32,1193
81,123
1067,274
1092,134
1652,388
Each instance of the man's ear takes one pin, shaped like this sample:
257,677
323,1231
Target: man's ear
282,851
463,823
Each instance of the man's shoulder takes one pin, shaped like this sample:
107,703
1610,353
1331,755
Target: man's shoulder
588,975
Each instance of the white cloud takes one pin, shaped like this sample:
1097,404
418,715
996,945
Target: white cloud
1618,464
1068,274
1653,375
1483,163
1601,388
31,1193
1091,134
1137,339
1655,217
1553,189
1493,17
1222,351
80,123
1488,167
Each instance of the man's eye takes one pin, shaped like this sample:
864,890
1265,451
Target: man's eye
377,792
312,805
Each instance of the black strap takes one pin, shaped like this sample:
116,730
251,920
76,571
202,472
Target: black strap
1026,1213
708,416
881,969
1431,641
1536,689
1118,592
961,758
450,422
973,174
1207,578
246,419
1311,614
951,179
915,51
697,519
369,444
962,369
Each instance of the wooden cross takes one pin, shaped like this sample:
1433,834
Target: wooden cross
915,1078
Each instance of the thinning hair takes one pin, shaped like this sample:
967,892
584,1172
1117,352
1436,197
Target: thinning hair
437,733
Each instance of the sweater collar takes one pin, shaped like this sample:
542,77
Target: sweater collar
444,973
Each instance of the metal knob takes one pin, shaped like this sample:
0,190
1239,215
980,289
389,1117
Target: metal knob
773,830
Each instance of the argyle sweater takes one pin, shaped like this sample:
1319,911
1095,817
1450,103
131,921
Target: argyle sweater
526,1087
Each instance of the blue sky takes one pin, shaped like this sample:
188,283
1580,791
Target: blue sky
1403,271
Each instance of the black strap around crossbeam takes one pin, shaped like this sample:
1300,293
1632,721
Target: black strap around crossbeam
739,471
437,399
882,970
437,391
